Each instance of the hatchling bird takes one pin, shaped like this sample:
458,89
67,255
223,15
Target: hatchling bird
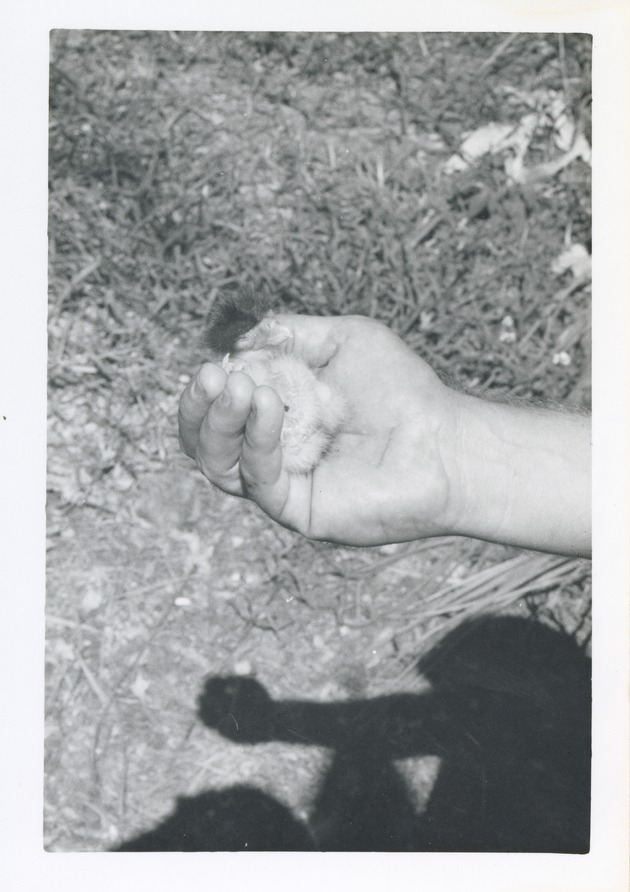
243,335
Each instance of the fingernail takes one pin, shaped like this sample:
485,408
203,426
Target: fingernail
197,390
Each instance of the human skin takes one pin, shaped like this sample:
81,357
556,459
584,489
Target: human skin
414,458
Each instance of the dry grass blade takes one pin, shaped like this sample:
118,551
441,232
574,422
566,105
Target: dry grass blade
500,596
505,43
376,566
91,680
74,283
502,583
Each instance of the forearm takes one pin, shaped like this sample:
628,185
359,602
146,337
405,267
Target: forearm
521,476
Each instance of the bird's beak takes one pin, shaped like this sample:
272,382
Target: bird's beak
268,333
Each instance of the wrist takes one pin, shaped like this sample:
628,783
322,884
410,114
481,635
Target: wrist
519,475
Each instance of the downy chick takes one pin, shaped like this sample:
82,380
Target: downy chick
244,336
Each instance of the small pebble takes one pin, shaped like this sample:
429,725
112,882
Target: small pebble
183,602
84,477
243,667
91,600
392,548
561,358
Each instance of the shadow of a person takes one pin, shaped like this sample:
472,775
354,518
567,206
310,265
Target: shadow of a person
508,714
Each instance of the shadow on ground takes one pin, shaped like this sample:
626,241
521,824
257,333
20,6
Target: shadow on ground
508,714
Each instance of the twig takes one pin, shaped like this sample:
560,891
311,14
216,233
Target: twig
386,562
155,586
424,49
575,285
90,678
100,367
74,283
499,50
71,624
428,229
563,70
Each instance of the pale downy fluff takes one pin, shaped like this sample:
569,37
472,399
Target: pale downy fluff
314,411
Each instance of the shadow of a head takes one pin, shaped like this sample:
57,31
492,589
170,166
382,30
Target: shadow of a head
512,706
510,655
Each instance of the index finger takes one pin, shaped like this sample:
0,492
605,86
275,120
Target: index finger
195,402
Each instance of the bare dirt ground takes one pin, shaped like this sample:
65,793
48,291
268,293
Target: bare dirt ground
431,695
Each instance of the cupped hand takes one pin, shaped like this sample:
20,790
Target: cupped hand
385,477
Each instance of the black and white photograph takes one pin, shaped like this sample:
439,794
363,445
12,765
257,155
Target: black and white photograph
320,455
370,630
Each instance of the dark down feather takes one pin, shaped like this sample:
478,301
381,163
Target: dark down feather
233,314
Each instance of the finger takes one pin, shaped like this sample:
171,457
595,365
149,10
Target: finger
222,431
315,339
265,481
195,402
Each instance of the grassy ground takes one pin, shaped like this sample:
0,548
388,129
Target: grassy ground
311,165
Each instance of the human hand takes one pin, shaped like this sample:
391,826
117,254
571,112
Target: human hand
413,458
387,476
